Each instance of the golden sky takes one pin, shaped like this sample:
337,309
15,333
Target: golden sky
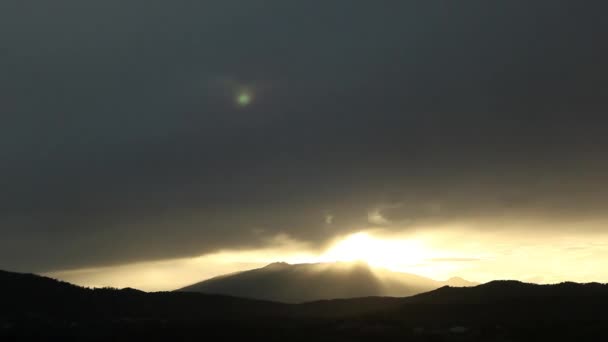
542,257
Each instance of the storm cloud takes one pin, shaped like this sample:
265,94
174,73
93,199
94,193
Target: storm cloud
121,141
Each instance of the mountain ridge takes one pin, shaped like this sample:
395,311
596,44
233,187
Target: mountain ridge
298,283
40,308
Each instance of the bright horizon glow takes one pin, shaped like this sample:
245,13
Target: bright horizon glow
386,253
438,254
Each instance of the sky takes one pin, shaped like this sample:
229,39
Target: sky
149,137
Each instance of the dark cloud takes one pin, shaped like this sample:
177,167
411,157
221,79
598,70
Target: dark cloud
120,140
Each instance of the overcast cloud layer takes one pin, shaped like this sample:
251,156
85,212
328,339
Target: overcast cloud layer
120,139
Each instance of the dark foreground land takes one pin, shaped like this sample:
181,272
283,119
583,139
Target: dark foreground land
43,309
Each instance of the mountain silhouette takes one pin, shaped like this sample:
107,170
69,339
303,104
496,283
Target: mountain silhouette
299,283
41,309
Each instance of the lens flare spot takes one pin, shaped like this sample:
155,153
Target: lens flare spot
244,99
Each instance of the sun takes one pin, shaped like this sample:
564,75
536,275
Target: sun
394,254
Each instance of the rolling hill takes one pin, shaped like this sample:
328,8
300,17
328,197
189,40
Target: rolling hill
41,309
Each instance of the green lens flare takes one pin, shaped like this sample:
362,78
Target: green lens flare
243,99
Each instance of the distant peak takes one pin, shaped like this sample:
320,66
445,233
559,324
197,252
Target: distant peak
277,265
132,290
506,283
460,282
